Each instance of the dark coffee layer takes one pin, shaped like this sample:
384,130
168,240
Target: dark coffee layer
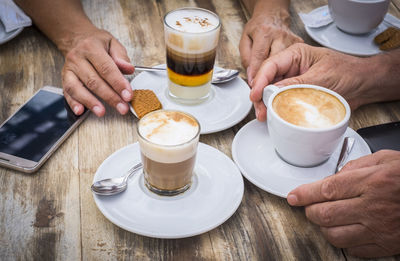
190,64
168,176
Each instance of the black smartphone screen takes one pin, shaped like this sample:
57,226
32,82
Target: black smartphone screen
36,127
384,136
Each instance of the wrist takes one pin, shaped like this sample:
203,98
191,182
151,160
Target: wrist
69,37
381,75
274,13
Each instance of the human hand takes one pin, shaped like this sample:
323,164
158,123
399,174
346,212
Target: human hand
303,64
358,208
264,36
94,64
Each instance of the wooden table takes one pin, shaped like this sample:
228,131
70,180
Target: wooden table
52,215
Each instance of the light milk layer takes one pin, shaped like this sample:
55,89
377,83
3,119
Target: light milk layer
168,136
191,31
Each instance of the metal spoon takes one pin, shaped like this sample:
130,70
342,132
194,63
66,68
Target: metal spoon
112,186
219,76
348,143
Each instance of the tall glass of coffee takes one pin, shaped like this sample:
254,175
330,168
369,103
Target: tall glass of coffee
191,38
168,144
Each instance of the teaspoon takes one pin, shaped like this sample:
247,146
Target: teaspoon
112,186
348,143
219,76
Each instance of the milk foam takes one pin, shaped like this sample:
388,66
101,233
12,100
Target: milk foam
309,108
313,118
169,136
192,21
191,31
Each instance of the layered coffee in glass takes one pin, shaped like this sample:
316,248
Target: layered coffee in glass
191,37
168,144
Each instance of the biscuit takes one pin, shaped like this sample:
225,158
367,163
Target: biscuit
145,101
384,36
388,39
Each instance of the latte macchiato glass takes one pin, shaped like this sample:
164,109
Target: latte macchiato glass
191,38
305,122
168,144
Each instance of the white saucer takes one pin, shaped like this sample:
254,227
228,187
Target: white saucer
5,37
214,196
361,45
228,104
256,158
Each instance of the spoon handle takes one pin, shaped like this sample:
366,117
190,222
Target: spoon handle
150,69
132,170
348,143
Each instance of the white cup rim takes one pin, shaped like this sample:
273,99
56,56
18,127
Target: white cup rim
340,124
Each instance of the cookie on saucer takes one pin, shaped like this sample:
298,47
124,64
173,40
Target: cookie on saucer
145,101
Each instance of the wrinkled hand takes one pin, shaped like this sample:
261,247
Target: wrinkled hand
263,37
93,67
358,208
304,64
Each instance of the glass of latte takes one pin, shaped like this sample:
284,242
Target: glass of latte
168,144
305,122
191,38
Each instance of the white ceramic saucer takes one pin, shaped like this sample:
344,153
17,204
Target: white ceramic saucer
4,36
361,45
228,104
214,196
256,158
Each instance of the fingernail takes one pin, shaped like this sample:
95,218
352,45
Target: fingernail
96,110
256,114
278,84
76,109
126,95
292,199
122,108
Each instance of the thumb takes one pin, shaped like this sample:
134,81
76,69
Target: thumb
120,57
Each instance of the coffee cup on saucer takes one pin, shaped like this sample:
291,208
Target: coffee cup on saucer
305,122
358,16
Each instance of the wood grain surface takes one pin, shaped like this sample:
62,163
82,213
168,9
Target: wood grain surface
51,215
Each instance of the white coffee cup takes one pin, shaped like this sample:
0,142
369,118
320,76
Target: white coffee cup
298,145
358,16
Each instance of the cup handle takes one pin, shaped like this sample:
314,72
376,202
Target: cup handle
268,91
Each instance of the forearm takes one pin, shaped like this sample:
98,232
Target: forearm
61,21
382,77
276,10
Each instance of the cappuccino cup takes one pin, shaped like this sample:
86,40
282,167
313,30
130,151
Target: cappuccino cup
305,122
358,16
168,146
191,39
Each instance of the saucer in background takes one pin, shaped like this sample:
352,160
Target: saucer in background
227,105
361,45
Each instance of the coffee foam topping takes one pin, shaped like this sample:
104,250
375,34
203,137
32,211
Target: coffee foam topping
168,136
309,108
191,31
168,128
192,21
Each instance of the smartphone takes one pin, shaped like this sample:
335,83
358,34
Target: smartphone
383,136
30,136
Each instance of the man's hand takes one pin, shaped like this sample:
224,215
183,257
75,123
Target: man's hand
93,67
358,208
358,80
265,34
94,59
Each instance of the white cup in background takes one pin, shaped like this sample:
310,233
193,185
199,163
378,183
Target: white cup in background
358,16
299,145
